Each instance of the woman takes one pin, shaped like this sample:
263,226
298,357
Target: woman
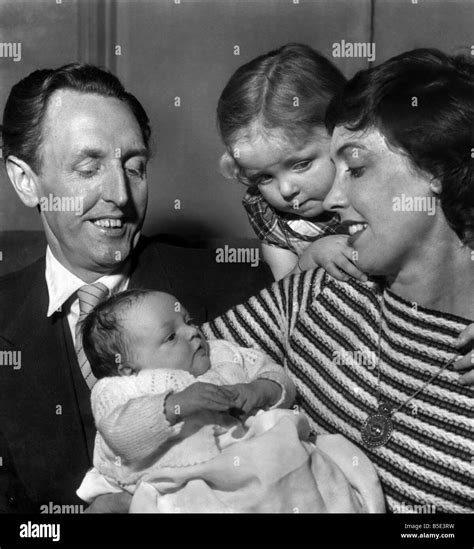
374,361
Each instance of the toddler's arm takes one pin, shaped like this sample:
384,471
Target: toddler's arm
281,261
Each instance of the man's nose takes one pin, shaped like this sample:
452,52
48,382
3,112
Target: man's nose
336,199
115,188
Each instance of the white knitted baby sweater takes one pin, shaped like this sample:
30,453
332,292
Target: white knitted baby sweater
134,438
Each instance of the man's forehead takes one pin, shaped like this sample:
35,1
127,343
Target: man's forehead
91,121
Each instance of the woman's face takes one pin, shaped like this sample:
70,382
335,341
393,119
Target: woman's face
387,205
293,176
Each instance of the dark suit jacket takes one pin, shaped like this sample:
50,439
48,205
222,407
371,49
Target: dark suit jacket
46,425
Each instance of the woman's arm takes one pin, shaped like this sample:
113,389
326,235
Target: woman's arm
282,262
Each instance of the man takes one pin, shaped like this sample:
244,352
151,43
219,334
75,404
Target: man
74,137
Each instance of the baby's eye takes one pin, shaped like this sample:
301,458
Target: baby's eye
170,337
356,172
301,166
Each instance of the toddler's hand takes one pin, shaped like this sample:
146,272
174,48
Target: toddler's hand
197,397
334,255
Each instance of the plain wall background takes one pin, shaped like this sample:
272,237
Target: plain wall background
186,50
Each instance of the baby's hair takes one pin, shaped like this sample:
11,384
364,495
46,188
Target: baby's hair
105,342
287,89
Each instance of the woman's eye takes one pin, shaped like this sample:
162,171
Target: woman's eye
303,165
356,172
135,172
190,322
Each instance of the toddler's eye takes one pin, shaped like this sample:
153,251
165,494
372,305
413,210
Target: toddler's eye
263,179
356,172
303,165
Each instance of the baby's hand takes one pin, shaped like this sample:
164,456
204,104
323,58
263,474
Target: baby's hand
334,255
248,397
197,397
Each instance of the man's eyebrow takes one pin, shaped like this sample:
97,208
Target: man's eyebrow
143,151
351,145
88,152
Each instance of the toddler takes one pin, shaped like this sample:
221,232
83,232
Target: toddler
271,119
173,420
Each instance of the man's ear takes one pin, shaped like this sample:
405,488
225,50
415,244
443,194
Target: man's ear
436,186
124,370
24,181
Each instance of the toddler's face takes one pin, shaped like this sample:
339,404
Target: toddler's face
293,176
161,335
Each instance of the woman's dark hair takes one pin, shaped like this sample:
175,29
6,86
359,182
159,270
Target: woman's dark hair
104,339
288,88
28,100
422,101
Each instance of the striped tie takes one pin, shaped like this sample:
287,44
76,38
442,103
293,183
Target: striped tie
89,296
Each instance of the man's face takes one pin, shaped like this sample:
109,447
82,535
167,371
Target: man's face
93,158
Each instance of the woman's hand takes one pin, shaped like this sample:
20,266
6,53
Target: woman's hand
197,397
334,255
465,365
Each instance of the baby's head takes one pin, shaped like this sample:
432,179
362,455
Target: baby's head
271,119
142,329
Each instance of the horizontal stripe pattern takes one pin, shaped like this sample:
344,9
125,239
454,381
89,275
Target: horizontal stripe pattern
307,321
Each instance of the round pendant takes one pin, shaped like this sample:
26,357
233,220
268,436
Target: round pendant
377,430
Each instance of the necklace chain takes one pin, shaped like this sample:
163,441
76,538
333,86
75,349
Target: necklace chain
377,428
379,369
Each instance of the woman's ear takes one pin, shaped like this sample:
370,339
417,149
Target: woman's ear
24,180
436,186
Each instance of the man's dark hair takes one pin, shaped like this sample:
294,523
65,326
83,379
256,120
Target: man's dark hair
28,100
105,342
422,101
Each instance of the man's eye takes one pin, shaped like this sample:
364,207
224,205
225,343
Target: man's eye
88,172
303,165
356,172
171,337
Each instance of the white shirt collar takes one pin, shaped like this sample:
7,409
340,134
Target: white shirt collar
62,283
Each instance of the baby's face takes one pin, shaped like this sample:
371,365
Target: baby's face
161,335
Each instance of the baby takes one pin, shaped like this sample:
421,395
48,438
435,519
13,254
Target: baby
174,425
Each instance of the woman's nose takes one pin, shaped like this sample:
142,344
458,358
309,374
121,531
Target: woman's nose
336,198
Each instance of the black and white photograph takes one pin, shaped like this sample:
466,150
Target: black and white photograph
237,272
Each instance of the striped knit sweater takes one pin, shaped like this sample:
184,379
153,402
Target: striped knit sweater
325,332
